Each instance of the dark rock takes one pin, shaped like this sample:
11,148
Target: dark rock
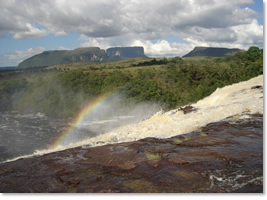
228,159
199,141
257,87
250,188
187,109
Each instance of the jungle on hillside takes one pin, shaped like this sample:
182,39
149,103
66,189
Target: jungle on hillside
63,90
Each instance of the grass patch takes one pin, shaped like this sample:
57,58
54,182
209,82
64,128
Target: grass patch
187,138
153,156
203,134
177,141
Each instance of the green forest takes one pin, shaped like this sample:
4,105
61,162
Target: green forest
63,90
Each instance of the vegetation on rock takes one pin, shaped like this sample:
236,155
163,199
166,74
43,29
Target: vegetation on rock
153,156
178,141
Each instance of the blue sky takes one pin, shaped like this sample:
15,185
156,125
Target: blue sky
163,28
258,7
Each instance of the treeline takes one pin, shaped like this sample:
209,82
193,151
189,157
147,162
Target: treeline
180,83
152,62
175,83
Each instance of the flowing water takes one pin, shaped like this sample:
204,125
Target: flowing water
236,100
23,134
35,133
26,134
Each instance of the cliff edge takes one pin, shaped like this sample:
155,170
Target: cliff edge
126,52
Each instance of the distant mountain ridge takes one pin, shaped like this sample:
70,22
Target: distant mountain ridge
8,68
54,57
87,54
95,54
212,51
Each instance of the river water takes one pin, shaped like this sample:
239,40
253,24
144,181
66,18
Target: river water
24,134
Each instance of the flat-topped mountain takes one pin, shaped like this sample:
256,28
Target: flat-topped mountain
212,51
126,52
48,58
88,54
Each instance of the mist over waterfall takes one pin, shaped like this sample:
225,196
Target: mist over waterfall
33,134
237,100
28,134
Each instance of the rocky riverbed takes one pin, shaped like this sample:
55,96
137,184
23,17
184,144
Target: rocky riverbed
222,157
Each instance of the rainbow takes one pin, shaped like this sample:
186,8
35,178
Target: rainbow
89,108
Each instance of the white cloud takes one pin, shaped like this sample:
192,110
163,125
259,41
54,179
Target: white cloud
31,32
21,55
106,23
163,48
249,34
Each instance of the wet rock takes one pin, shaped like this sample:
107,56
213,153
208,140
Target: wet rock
141,186
251,188
257,87
228,159
112,156
199,141
187,109
164,148
178,160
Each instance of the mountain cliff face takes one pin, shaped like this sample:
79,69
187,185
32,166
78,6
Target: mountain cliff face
48,58
88,54
212,51
126,52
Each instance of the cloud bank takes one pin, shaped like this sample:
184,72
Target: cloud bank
22,54
107,23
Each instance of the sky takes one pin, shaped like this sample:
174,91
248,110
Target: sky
166,28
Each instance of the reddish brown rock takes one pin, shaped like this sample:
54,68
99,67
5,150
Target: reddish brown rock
199,141
228,159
